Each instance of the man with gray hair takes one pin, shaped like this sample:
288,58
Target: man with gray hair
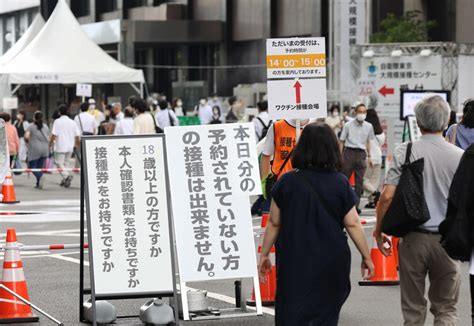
117,112
420,251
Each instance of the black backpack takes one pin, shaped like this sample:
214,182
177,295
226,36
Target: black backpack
265,128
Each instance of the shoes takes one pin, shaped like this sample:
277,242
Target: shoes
62,183
370,205
67,182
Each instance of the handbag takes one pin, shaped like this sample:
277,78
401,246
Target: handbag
49,163
272,178
408,209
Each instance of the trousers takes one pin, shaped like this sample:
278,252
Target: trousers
62,162
420,255
354,160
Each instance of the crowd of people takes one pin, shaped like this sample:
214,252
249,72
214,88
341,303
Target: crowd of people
312,203
39,144
306,190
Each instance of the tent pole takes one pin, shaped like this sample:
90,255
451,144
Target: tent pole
141,90
138,90
17,87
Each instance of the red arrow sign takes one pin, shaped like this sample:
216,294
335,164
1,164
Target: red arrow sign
386,91
297,87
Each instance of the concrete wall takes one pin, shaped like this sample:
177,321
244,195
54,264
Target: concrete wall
297,18
162,12
250,20
242,53
464,24
209,10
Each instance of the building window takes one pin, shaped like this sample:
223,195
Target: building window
80,8
104,6
127,4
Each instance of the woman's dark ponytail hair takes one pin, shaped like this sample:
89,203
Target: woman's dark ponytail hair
38,119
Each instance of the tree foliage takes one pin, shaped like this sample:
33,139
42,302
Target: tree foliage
408,28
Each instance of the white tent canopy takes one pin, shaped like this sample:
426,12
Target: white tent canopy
63,54
24,40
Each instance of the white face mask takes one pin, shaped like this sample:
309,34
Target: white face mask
202,102
361,117
335,114
92,107
179,104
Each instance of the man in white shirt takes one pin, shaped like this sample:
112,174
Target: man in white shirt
144,122
204,111
165,117
261,122
85,122
125,126
65,136
117,111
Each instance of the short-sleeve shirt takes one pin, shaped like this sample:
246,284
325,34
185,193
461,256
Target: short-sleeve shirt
86,123
259,124
356,135
66,132
163,118
38,144
143,124
124,127
464,136
438,173
294,197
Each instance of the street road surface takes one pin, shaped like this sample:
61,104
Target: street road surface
51,216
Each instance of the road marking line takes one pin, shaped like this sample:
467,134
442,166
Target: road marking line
213,295
50,254
69,259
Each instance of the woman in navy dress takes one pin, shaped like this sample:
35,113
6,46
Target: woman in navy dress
311,206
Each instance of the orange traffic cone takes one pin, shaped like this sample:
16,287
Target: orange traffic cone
352,180
12,310
385,268
8,190
267,288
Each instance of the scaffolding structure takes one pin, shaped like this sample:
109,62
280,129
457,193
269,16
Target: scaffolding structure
448,51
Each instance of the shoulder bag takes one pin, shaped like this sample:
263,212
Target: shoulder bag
84,133
158,130
408,209
171,118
